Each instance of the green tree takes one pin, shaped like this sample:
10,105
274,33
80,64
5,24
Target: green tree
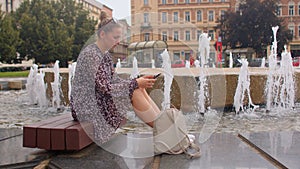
84,28
9,38
251,26
48,30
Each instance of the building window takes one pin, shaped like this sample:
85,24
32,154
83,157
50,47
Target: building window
299,31
163,1
222,14
187,35
146,2
210,0
147,36
164,36
211,34
164,17
175,17
175,1
176,36
223,0
146,17
291,10
291,28
199,16
187,55
176,56
211,16
187,16
278,10
199,32
199,1
187,1
298,9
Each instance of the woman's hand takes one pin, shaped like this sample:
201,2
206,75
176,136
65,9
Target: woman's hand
146,81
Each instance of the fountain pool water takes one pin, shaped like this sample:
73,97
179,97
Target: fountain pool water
16,111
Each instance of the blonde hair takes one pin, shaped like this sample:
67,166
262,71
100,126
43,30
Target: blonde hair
106,24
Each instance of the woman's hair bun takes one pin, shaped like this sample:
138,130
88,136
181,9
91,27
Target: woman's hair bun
103,16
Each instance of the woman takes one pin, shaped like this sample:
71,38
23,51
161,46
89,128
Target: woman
99,96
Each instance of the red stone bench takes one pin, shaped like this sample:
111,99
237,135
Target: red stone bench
57,133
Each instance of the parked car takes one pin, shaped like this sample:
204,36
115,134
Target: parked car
178,63
296,61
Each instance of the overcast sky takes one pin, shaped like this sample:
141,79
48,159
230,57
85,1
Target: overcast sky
121,8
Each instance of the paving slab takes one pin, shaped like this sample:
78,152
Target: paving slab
8,133
282,146
125,151
12,151
220,151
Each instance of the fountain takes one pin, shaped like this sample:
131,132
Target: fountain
202,92
135,71
30,85
72,68
230,60
204,48
56,89
263,62
168,78
187,64
197,63
118,65
41,88
36,87
152,63
280,89
243,88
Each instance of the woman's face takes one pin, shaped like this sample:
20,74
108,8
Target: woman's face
112,38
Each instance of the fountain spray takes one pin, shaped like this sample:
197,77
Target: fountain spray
135,70
280,89
168,78
56,89
243,88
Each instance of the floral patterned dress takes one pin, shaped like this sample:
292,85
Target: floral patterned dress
98,95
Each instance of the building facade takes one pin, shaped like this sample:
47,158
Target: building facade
289,11
95,7
179,23
10,5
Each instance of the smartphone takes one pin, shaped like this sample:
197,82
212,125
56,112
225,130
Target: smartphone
156,76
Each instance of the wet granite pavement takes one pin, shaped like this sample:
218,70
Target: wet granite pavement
133,151
271,135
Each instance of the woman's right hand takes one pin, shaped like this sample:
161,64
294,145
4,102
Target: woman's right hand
146,81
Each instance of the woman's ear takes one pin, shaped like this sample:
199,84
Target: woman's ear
101,34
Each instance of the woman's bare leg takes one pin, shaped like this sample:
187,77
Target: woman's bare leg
143,107
153,104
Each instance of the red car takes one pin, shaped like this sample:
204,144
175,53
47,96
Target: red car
178,63
296,61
